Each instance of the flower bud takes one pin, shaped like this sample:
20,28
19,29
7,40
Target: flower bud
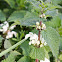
37,23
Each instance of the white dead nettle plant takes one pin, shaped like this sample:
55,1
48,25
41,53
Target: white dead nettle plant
46,60
34,39
7,30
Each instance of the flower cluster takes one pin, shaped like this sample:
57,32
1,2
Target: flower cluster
46,60
42,16
7,30
40,27
34,40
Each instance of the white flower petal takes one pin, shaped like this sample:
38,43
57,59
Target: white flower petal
46,60
14,33
31,34
33,42
6,24
30,43
43,26
45,43
4,29
27,35
9,35
41,45
37,23
38,42
12,27
34,37
43,15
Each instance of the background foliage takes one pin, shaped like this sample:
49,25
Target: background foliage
24,14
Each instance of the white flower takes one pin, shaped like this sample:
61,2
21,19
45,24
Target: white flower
4,29
27,36
41,45
12,27
4,26
42,42
45,43
31,35
38,42
46,60
40,27
37,23
34,39
14,33
30,43
43,16
10,34
33,42
43,26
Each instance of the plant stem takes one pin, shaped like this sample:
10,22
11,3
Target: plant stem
37,60
39,39
9,49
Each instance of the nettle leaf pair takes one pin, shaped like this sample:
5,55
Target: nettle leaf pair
51,37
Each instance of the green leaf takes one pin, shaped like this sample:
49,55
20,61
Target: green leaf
16,16
55,22
60,43
52,38
11,57
24,59
37,53
52,7
0,40
26,48
15,53
51,12
11,3
56,2
30,19
60,57
12,47
46,54
7,44
47,48
20,3
2,16
60,30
